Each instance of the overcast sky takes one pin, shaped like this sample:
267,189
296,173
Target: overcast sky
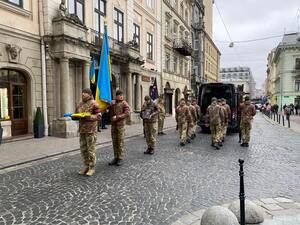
252,19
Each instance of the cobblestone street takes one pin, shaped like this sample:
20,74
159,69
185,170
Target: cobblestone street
156,189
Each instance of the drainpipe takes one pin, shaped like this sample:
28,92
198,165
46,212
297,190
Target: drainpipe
43,60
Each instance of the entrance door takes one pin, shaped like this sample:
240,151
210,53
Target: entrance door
168,103
18,109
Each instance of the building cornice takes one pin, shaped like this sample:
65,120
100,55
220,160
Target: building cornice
17,33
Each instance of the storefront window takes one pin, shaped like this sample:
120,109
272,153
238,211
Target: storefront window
3,104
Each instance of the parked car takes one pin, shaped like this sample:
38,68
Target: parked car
228,91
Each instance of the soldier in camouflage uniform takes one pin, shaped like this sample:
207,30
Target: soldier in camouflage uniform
182,117
228,116
214,117
161,116
88,131
247,113
120,110
149,115
223,122
191,122
198,114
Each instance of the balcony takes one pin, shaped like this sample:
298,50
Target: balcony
183,47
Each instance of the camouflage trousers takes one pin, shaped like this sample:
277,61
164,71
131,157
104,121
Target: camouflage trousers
118,135
216,133
245,129
88,148
161,121
182,127
194,127
190,130
150,134
224,130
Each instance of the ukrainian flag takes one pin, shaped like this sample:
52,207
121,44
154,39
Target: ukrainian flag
103,91
92,72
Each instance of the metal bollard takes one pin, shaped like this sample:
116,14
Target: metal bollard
274,116
279,119
277,116
288,119
242,192
283,120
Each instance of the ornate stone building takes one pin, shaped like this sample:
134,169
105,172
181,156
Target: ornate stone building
176,51
46,50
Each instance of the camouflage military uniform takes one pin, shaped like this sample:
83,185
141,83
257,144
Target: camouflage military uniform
182,117
198,115
161,117
228,117
88,131
149,114
121,110
223,123
215,116
247,113
191,122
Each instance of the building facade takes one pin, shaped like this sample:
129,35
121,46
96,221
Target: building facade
270,79
197,71
176,51
45,56
20,66
212,60
239,76
287,70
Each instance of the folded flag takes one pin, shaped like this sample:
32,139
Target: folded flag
77,115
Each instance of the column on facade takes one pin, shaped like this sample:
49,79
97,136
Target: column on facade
138,93
129,89
64,86
85,74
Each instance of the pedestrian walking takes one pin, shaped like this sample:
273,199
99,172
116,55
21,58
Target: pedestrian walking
214,117
149,115
191,121
182,117
88,131
161,116
120,111
198,115
228,116
247,113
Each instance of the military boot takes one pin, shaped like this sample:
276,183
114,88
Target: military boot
113,162
119,162
151,152
91,171
216,147
188,140
182,144
147,151
83,170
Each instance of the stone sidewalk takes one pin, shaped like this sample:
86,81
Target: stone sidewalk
277,211
294,122
24,151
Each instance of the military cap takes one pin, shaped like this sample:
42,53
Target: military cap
223,99
214,99
119,92
247,98
219,100
147,98
87,90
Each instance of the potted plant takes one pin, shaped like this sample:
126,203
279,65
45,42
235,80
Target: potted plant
38,124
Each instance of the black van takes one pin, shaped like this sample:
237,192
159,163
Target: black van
228,91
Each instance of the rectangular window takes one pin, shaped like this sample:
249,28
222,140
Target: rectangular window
149,3
18,3
168,27
175,61
99,14
181,10
297,85
181,67
3,103
167,62
175,29
136,35
76,7
149,46
118,25
297,64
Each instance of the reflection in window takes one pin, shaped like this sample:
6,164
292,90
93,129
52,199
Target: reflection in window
3,103
76,7
15,2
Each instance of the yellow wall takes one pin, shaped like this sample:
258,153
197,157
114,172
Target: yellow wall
212,61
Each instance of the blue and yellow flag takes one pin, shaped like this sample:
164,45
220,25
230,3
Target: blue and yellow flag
103,91
92,72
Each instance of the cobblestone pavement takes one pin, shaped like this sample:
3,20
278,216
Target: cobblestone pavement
156,189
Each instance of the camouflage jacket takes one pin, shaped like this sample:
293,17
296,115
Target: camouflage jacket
228,112
149,112
247,112
198,111
183,114
89,124
161,111
121,110
214,114
193,113
224,119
